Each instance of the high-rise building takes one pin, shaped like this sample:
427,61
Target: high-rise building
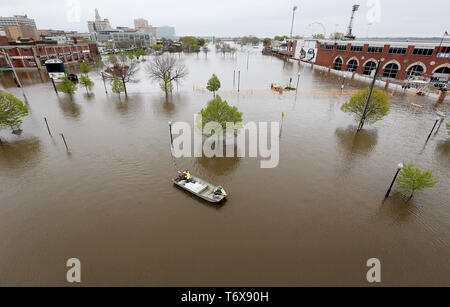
140,23
166,32
19,26
98,24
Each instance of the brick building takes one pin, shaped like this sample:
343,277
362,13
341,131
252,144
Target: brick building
33,54
400,60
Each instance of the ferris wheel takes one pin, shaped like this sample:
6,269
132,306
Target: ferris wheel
314,29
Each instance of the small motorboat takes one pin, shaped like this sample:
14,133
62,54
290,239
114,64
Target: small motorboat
200,188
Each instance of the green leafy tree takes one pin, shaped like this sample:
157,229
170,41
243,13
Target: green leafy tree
117,86
280,38
377,109
85,68
213,85
158,48
67,86
188,42
86,82
412,180
219,111
12,109
319,36
201,42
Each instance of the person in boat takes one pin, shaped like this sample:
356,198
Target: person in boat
220,191
187,175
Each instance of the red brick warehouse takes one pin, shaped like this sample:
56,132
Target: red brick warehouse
399,59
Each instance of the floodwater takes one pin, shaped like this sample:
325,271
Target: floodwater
314,220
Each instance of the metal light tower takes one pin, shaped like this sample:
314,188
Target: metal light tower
293,15
349,35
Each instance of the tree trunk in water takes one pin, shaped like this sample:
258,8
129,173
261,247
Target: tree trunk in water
125,87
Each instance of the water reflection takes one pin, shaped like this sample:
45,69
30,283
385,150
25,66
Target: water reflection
443,153
68,107
397,207
219,166
352,145
129,106
19,154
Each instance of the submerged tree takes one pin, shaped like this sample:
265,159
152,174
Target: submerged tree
85,68
447,124
117,86
166,70
67,86
86,82
377,109
213,85
123,68
221,112
412,180
205,50
12,109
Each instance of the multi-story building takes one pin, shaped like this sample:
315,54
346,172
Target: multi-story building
19,26
98,24
140,23
32,55
399,60
166,32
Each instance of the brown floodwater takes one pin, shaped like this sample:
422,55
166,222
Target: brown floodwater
313,220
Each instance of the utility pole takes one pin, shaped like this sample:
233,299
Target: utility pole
363,117
293,15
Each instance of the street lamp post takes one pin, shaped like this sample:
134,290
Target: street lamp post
14,72
293,15
434,126
399,168
363,117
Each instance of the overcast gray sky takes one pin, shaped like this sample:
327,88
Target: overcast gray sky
243,17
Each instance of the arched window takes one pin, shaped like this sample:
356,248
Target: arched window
337,64
442,70
416,70
352,65
391,71
371,65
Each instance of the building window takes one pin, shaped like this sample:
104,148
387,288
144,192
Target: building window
375,49
352,65
391,71
371,65
356,48
423,51
443,70
416,70
445,49
394,50
337,64
329,47
341,47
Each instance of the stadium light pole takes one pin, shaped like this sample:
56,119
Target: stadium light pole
293,15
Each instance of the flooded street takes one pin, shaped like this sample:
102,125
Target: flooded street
313,220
